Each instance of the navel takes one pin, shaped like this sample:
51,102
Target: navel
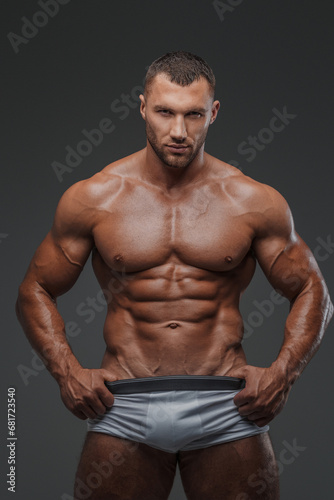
173,325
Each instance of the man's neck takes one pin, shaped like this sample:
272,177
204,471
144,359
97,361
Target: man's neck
158,173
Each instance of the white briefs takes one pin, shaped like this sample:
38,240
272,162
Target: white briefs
176,412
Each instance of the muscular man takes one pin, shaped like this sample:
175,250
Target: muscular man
174,235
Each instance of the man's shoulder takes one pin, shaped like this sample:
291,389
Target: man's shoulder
243,188
93,191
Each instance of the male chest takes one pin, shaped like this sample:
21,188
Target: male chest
145,229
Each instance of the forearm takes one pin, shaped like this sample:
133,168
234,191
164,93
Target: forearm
310,313
45,329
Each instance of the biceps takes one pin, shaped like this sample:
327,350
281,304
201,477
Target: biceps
289,265
56,267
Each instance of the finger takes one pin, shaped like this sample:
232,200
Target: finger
105,396
241,398
79,414
246,410
97,400
260,418
255,415
239,372
98,407
262,422
74,409
108,376
86,408
107,399
90,412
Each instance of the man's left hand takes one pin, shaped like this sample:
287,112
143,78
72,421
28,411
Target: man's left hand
264,395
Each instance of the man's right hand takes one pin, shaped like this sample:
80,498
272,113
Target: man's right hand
85,394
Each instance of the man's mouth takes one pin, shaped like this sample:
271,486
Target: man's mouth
177,148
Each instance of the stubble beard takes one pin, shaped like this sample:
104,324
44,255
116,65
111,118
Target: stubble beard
170,159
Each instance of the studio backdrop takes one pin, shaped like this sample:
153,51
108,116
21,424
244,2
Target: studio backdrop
71,74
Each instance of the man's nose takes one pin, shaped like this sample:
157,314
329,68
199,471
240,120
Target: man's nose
178,131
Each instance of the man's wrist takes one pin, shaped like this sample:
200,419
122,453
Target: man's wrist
284,368
64,367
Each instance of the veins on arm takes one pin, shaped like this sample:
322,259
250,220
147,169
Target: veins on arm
292,270
69,259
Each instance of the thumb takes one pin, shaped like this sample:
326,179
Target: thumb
240,372
108,375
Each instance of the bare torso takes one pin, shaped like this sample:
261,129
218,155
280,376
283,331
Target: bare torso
174,235
173,259
172,265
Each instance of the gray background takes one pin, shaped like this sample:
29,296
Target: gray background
265,55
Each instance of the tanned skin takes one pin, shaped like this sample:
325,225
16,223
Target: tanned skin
174,235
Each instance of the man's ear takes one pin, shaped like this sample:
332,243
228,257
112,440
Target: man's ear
142,106
214,111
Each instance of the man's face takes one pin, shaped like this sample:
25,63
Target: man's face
177,119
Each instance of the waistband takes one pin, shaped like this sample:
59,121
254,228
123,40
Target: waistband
176,383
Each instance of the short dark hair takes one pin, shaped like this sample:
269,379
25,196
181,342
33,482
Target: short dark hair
182,68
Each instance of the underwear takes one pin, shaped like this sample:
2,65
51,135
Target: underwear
176,412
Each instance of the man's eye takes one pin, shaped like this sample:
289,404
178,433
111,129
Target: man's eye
164,111
195,114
